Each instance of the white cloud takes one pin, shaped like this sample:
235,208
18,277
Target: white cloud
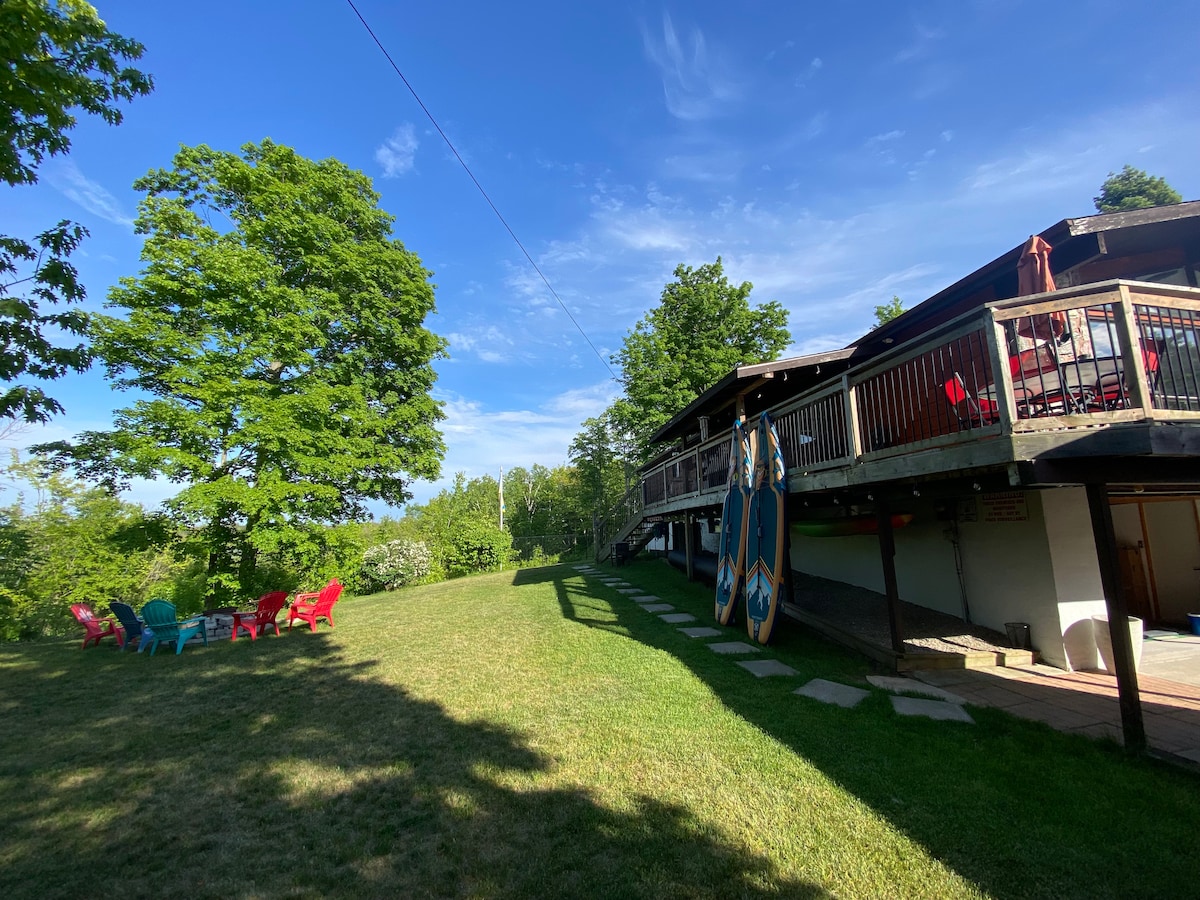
66,178
814,66
919,46
487,343
830,265
396,154
884,138
696,83
480,440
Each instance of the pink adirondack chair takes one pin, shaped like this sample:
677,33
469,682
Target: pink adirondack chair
310,607
262,617
96,628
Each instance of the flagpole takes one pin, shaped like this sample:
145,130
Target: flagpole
501,498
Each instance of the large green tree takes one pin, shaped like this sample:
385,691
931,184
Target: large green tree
702,327
276,346
56,57
1133,189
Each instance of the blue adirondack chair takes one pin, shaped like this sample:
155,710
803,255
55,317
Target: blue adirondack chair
135,631
159,618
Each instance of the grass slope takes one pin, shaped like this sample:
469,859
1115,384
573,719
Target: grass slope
531,734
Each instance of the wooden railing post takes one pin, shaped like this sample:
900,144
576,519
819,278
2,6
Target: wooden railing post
997,343
1132,354
853,440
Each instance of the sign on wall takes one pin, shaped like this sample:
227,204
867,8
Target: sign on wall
1008,506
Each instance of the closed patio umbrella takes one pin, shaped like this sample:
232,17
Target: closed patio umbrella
1034,277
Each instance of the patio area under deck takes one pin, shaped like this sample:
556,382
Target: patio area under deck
857,617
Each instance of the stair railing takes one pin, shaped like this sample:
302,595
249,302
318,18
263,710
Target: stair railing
619,521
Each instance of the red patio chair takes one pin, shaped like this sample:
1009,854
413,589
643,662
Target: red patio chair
1113,390
310,607
972,411
262,617
96,628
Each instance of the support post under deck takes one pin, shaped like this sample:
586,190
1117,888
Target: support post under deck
887,554
1132,726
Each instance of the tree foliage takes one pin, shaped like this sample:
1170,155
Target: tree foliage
76,543
543,501
885,312
1133,189
605,458
58,56
275,338
25,349
702,328
55,58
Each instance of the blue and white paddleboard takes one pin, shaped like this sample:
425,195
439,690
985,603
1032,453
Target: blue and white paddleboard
767,559
731,554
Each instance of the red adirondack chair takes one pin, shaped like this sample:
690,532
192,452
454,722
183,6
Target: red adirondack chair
262,617
310,607
96,628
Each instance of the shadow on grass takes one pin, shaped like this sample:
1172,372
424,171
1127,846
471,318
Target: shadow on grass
1014,807
284,769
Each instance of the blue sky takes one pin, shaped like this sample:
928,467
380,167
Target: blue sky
832,154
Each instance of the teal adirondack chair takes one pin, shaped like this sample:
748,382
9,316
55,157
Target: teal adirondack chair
159,616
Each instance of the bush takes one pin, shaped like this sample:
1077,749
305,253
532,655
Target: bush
477,547
17,616
395,564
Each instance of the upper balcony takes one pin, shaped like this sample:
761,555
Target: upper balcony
1100,371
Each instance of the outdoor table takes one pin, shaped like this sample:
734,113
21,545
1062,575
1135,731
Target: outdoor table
1071,387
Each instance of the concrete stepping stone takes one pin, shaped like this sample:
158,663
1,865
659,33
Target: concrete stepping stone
931,709
646,598
764,668
727,648
627,590
702,631
657,607
842,695
676,618
899,685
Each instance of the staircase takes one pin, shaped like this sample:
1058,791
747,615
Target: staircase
624,523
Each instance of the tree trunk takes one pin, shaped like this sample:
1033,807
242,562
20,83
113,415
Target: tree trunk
248,559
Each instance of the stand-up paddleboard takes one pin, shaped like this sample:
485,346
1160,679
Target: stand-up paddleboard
731,554
766,538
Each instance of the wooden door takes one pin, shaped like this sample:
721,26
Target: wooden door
1133,583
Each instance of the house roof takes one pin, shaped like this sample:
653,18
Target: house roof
1073,241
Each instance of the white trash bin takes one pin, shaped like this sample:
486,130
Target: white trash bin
1104,641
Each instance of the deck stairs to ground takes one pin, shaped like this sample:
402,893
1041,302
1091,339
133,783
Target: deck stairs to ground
636,535
625,523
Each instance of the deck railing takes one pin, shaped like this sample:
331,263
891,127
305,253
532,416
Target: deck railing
1100,354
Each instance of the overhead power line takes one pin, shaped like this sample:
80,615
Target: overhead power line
475,181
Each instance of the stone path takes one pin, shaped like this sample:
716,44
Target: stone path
935,702
1078,702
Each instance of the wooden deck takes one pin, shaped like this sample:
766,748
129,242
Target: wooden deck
961,399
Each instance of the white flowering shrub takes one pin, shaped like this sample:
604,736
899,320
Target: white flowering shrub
395,564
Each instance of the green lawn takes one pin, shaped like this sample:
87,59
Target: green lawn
530,734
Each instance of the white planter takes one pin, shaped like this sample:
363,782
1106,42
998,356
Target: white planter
1104,641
